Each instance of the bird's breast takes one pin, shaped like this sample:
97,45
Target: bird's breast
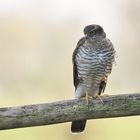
93,66
89,61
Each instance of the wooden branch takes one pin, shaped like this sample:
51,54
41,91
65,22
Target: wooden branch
65,111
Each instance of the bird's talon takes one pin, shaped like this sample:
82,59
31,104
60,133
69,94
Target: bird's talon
100,99
87,97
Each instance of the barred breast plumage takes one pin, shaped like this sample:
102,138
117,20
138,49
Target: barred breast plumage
93,65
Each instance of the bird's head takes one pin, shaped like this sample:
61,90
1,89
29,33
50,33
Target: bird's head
94,32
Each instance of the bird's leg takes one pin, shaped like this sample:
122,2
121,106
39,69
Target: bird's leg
88,97
100,98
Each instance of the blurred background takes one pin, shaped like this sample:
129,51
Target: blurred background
37,39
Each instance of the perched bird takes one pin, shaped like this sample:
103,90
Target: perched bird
92,63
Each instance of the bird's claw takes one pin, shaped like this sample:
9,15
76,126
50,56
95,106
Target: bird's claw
87,97
100,98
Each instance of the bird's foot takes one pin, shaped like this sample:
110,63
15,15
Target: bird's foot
87,97
100,98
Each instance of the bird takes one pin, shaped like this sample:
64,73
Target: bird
93,59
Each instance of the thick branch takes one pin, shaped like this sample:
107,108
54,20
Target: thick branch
64,111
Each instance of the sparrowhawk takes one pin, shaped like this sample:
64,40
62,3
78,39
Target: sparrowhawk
92,63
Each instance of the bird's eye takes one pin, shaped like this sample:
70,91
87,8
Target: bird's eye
92,33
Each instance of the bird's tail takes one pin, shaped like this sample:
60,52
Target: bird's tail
78,126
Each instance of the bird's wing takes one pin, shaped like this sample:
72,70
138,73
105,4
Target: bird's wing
75,73
102,87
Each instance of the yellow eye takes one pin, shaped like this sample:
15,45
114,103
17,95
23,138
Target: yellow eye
92,33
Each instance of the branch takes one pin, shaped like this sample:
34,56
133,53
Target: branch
65,111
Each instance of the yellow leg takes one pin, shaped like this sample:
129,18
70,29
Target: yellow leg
100,99
88,97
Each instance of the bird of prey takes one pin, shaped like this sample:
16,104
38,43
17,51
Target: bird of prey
92,63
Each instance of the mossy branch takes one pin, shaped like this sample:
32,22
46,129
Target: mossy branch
69,110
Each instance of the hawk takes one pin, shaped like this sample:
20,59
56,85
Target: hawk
92,63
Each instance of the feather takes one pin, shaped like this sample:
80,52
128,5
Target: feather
75,73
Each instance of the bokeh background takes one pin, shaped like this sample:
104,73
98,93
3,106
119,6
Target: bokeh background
37,38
